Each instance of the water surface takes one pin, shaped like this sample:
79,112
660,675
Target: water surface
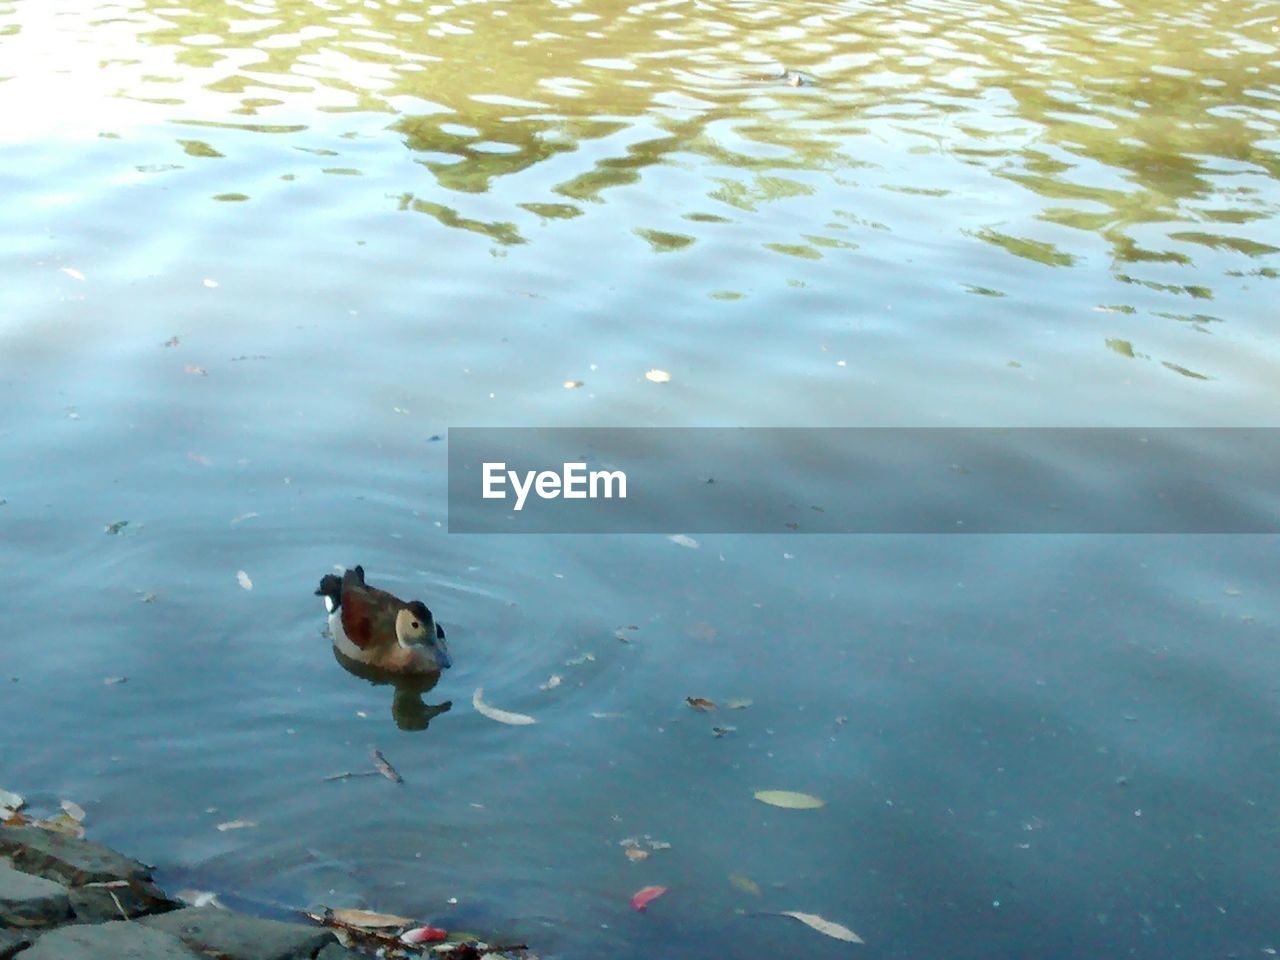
256,256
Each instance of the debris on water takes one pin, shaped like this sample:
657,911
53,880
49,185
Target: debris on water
723,731
493,713
243,579
171,342
680,540
657,376
701,703
789,799
645,896
580,660
113,529
823,926
195,371
113,681
551,683
573,384
384,766
237,825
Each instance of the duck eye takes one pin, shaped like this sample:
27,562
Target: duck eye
416,624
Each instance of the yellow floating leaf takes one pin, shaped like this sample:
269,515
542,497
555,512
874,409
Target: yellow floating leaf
828,927
700,703
657,376
371,920
745,884
789,799
493,713
635,853
61,823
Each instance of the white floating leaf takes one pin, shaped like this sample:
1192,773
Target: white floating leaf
493,713
789,799
244,580
657,376
679,539
553,681
200,898
210,283
74,810
73,273
237,825
828,927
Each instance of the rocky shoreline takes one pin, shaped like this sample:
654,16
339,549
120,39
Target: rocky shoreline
64,898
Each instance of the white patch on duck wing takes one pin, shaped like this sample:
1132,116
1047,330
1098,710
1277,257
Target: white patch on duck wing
342,642
329,605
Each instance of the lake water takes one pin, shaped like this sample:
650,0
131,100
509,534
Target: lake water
255,256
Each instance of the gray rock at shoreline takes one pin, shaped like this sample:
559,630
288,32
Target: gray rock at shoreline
66,859
99,902
11,942
232,936
119,940
27,901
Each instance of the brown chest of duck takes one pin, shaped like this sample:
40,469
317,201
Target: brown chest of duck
377,628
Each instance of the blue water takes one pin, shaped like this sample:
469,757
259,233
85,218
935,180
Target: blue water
255,257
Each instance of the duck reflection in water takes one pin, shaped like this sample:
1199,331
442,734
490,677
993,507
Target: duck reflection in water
408,709
385,640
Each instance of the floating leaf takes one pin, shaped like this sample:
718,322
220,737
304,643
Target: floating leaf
635,853
657,376
737,703
553,681
645,896
243,579
700,703
367,918
657,844
386,769
572,384
723,731
745,884
423,935
243,517
827,927
200,898
61,823
114,681
195,371
172,342
680,540
72,272
493,713
73,810
114,528
237,825
580,660
789,799
210,283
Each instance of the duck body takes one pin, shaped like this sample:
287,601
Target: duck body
377,628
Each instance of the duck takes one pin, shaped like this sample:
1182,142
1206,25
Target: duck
378,629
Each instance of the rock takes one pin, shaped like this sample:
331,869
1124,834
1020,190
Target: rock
99,902
56,856
230,936
27,901
11,942
119,940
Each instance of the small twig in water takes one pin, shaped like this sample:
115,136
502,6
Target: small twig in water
348,775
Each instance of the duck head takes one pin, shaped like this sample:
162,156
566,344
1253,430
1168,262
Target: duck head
417,629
